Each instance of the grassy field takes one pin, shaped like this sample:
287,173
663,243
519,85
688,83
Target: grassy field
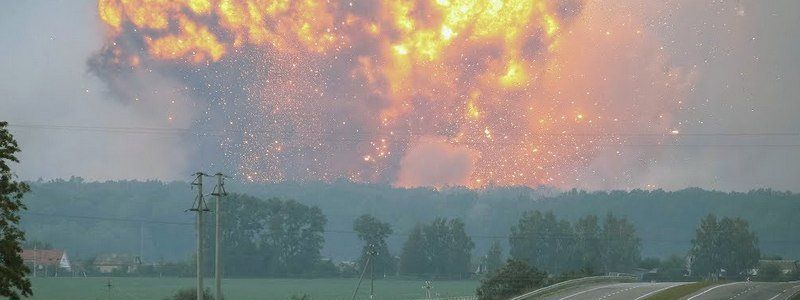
680,291
67,288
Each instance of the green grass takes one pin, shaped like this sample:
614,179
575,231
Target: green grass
65,288
680,291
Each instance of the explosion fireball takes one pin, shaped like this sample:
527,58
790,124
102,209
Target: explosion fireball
412,92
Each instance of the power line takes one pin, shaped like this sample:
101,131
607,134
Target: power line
176,130
351,232
132,220
408,138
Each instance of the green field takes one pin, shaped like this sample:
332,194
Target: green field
72,288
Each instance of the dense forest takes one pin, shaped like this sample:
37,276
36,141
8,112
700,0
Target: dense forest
150,218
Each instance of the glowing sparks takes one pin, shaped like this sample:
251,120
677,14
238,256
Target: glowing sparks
472,111
514,75
357,86
400,49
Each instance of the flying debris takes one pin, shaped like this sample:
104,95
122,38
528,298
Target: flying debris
522,92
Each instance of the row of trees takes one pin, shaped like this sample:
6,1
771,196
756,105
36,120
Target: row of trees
721,248
282,237
724,247
270,237
557,246
441,248
487,212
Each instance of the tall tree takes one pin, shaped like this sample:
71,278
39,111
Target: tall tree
243,227
621,249
295,236
413,258
13,280
273,237
726,244
494,258
441,247
543,241
459,249
587,244
374,233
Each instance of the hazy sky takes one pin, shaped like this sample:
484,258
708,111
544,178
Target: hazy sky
738,63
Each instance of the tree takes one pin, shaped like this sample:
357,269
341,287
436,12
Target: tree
374,233
587,244
620,245
727,244
243,226
770,272
441,247
513,279
494,259
542,240
273,237
458,253
294,238
13,280
413,258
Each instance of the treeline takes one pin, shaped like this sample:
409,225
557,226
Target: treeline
588,246
270,237
149,218
548,251
285,238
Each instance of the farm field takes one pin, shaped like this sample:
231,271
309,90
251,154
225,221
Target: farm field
71,288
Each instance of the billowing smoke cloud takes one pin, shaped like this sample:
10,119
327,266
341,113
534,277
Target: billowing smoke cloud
566,93
44,83
434,162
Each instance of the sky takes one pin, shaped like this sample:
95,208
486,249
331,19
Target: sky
588,94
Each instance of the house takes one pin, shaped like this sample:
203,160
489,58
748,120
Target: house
113,262
46,262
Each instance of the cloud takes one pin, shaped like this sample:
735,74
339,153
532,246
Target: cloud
431,161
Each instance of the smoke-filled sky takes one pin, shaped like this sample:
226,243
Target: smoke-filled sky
570,93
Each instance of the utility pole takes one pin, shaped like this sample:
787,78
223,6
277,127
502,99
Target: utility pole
219,192
372,272
199,207
360,278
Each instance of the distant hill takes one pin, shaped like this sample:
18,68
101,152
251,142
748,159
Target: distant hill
149,217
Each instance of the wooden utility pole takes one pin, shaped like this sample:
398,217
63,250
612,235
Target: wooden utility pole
369,264
199,208
219,192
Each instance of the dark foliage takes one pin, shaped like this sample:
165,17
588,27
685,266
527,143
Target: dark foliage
542,240
190,294
513,279
665,220
440,248
13,281
374,234
726,244
271,237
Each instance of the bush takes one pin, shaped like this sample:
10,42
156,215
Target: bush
513,279
770,272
